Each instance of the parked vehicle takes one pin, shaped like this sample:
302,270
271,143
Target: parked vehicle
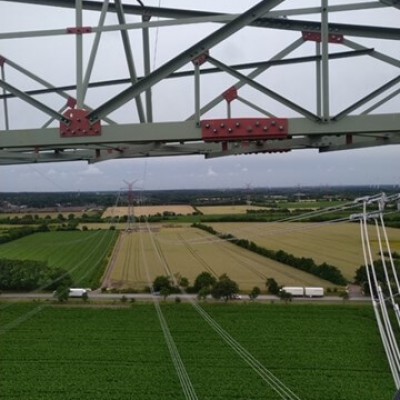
77,292
314,292
295,291
298,291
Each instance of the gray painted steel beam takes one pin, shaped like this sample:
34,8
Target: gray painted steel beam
392,3
203,71
273,23
263,89
183,58
188,131
35,103
129,57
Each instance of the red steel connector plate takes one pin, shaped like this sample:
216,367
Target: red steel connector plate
231,94
80,125
2,61
201,59
239,129
80,30
316,37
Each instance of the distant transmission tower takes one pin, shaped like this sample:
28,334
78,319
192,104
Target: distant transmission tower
131,217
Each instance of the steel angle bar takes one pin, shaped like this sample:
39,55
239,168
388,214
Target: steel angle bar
391,3
95,47
49,87
129,57
376,32
163,12
5,103
35,103
79,55
375,54
121,133
203,71
331,9
263,89
367,98
381,102
252,75
318,80
274,23
325,61
183,58
255,107
147,69
352,124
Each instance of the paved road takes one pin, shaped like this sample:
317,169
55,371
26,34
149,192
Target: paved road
98,296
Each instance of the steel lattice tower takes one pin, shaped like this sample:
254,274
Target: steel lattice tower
306,105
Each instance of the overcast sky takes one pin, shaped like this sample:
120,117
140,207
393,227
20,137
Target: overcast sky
53,59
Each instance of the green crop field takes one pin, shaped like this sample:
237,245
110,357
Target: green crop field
83,254
118,353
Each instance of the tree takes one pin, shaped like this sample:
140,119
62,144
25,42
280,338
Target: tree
161,282
255,292
62,294
165,292
184,282
59,277
272,286
225,288
285,296
204,280
203,293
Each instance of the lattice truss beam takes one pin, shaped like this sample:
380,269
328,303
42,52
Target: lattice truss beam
268,79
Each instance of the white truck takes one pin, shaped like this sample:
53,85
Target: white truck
77,292
314,292
295,291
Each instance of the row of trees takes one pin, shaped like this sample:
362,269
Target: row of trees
204,285
27,275
324,270
361,278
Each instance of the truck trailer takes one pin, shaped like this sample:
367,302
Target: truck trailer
295,291
314,292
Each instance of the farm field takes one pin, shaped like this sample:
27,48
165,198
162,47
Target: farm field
44,214
226,210
318,351
83,254
337,244
189,251
147,210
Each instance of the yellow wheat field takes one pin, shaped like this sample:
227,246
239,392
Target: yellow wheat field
336,244
138,211
141,256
